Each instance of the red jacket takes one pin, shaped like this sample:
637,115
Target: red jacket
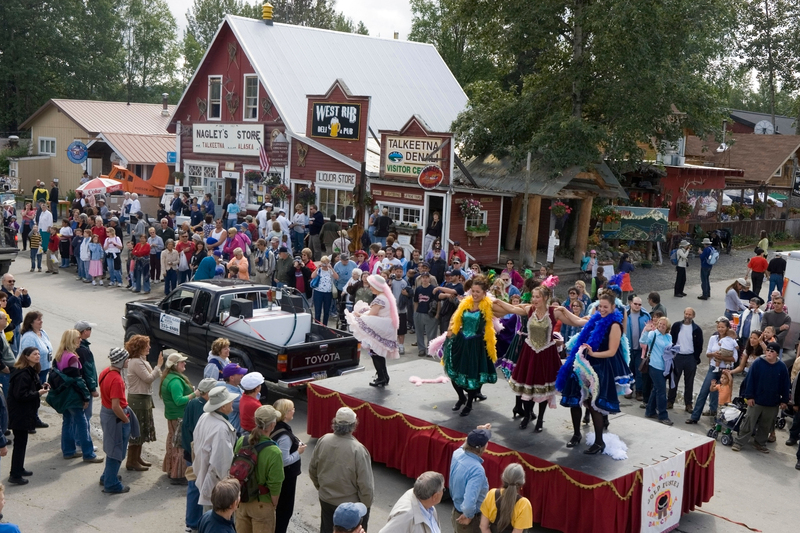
141,250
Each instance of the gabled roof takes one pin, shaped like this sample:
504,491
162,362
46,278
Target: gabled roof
760,156
139,149
402,77
110,117
499,175
784,125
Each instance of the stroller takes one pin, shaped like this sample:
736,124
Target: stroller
728,419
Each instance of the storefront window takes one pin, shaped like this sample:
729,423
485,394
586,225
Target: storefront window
477,220
403,214
200,174
336,201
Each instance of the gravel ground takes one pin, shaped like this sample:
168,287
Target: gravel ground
662,277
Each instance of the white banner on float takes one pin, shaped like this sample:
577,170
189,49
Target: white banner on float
662,495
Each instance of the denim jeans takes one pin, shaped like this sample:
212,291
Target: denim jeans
114,276
111,470
141,276
705,393
194,511
322,305
381,241
36,259
705,283
297,241
658,395
75,428
184,276
15,340
775,282
170,280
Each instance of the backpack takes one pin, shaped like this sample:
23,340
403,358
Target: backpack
243,469
712,259
673,257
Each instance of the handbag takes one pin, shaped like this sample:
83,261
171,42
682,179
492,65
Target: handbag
315,283
644,366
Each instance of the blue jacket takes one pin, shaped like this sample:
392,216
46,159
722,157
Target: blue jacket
468,483
207,269
659,345
704,257
644,318
208,207
15,305
96,252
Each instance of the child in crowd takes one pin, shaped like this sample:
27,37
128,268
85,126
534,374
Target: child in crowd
113,249
96,255
52,251
724,387
75,245
36,248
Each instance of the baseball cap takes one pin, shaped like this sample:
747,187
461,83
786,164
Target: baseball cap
425,264
344,255
206,384
114,219
450,272
252,380
282,249
217,252
478,438
83,325
774,346
349,514
233,369
456,243
345,415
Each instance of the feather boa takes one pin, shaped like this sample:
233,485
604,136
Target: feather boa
615,446
616,279
592,334
550,282
489,335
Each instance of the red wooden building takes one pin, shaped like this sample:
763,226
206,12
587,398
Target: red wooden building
323,104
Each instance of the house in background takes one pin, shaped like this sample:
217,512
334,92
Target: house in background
115,132
760,123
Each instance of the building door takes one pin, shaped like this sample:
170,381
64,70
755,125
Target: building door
216,188
435,202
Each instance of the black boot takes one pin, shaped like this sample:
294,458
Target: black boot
575,413
586,417
468,408
462,399
527,406
599,445
518,410
540,421
380,368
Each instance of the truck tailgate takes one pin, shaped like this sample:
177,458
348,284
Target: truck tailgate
327,355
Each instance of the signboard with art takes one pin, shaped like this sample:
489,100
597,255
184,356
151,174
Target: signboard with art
638,224
703,203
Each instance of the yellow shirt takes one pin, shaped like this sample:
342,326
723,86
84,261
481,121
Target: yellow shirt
523,513
9,334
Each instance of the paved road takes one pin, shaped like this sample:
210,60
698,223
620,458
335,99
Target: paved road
64,496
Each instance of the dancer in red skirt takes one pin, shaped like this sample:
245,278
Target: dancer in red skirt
534,376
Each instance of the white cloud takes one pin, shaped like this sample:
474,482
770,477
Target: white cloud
382,17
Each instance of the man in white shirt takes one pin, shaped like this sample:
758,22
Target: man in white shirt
136,206
45,219
283,221
261,221
415,511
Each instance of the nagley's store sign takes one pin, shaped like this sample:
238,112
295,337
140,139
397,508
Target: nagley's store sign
406,156
227,139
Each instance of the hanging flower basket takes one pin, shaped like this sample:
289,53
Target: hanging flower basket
253,175
559,209
683,209
306,195
280,193
470,207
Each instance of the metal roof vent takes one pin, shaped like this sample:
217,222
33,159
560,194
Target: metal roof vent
266,13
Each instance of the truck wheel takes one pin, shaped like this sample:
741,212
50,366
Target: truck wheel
138,329
241,359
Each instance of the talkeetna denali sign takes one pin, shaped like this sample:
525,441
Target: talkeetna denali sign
336,121
407,156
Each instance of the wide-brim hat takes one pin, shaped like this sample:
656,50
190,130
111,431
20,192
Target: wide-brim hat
684,243
706,241
218,397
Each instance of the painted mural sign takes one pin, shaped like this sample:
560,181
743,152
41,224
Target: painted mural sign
639,224
330,120
408,156
703,203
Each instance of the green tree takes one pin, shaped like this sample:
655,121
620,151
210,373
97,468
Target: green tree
442,23
345,24
583,80
150,52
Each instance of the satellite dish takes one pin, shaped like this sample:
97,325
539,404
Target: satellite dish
764,127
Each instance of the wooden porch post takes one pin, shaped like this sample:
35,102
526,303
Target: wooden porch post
582,228
532,227
513,223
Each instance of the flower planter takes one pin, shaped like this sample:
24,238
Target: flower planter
406,230
477,235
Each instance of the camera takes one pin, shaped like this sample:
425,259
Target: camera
392,276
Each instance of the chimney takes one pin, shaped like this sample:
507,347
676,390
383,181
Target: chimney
396,35
266,13
164,106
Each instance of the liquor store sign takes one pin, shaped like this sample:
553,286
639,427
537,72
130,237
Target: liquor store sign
407,156
227,139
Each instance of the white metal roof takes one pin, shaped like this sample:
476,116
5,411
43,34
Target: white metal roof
402,77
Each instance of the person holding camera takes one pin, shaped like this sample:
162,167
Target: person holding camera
448,295
402,294
24,397
424,314
299,276
326,276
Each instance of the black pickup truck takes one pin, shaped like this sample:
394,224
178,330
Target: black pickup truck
192,316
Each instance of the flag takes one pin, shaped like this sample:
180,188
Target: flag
263,159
